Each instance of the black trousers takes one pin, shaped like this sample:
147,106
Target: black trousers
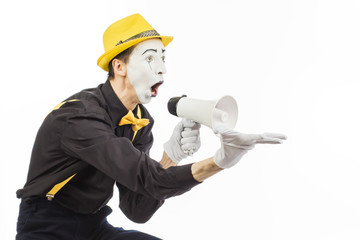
46,220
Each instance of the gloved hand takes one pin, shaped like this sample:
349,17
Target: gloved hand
234,145
184,141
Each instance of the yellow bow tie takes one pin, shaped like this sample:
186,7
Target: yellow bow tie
136,123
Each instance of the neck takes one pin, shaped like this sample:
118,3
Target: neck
125,92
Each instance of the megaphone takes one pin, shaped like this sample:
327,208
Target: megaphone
212,113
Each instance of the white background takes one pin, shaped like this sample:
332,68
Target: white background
293,67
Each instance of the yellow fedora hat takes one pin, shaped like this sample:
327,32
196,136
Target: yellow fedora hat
125,33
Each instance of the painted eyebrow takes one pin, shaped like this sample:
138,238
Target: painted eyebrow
150,50
163,50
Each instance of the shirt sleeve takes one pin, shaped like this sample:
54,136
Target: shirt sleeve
90,138
137,207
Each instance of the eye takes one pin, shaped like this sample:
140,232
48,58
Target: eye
149,58
163,58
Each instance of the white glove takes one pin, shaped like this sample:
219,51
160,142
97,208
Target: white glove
184,141
234,145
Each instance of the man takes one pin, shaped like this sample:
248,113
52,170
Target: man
102,136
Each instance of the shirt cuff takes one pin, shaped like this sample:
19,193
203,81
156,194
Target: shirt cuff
183,176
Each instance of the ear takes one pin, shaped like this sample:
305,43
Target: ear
119,67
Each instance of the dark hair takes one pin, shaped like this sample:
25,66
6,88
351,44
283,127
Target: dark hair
124,56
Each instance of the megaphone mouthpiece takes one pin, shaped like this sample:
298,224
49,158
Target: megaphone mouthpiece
172,104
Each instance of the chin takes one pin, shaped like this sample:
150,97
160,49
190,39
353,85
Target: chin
145,100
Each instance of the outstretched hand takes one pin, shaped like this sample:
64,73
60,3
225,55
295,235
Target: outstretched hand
234,145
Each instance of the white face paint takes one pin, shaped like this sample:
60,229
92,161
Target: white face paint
146,67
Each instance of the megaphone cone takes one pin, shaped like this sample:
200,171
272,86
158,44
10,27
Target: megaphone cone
222,112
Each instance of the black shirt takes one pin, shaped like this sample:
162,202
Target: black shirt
83,137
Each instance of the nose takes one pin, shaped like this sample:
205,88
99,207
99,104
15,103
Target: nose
161,68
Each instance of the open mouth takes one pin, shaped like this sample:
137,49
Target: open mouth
155,88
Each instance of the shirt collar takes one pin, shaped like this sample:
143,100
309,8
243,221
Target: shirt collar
116,107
